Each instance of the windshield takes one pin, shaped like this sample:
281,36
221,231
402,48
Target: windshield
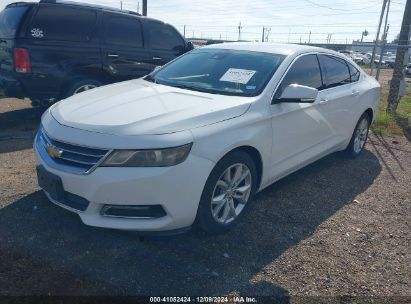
10,19
220,71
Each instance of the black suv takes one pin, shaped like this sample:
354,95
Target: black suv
54,49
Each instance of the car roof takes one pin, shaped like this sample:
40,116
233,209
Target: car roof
78,4
275,48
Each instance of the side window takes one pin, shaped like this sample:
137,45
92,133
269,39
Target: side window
304,71
55,22
164,37
337,71
354,73
123,31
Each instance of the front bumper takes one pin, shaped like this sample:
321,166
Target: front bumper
177,189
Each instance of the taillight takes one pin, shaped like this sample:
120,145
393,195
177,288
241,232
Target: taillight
22,60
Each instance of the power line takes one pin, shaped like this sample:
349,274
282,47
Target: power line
337,9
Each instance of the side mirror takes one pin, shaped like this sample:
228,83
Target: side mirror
190,46
298,94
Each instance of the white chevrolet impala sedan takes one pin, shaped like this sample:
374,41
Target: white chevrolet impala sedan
191,143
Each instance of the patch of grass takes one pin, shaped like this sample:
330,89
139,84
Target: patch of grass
399,124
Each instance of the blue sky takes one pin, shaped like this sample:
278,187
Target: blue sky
288,21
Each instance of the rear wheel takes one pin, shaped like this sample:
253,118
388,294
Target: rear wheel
82,85
359,136
227,193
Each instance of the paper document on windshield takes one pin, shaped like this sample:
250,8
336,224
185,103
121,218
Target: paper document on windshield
237,75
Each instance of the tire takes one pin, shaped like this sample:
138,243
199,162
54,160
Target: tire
81,85
234,208
359,136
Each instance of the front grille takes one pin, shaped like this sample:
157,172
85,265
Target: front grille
71,157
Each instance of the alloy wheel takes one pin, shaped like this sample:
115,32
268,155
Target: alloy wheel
360,135
231,193
84,88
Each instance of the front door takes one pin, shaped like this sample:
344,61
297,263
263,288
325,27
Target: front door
165,42
300,131
125,55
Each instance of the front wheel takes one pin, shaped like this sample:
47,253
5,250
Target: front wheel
227,193
359,136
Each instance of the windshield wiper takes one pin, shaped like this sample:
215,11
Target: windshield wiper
187,87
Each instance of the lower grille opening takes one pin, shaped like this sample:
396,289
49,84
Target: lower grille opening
128,211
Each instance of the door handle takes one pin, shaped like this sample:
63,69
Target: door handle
157,58
112,55
355,93
323,101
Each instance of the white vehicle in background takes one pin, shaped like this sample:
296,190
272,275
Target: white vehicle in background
359,58
347,53
191,143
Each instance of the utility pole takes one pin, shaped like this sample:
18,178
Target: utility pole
262,37
144,7
267,30
138,7
184,31
239,31
398,74
384,3
377,76
384,40
309,38
121,4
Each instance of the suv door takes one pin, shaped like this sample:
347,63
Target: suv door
63,46
124,53
165,42
300,131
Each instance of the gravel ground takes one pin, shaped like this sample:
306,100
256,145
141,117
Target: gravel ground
336,227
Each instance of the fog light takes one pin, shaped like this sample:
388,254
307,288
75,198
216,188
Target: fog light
127,211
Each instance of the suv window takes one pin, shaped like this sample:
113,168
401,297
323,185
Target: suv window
337,71
10,19
164,37
354,73
57,22
123,31
304,71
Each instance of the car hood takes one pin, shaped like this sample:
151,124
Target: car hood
140,107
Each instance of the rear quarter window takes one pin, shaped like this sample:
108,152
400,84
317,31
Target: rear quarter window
10,19
63,23
354,72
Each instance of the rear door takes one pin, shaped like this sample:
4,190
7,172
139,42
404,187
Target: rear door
341,95
124,52
165,42
63,45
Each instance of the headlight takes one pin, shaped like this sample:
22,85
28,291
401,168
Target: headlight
148,158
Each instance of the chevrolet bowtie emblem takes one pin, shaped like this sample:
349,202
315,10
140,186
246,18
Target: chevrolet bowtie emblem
54,152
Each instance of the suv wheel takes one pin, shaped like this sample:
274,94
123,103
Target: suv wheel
227,193
82,85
